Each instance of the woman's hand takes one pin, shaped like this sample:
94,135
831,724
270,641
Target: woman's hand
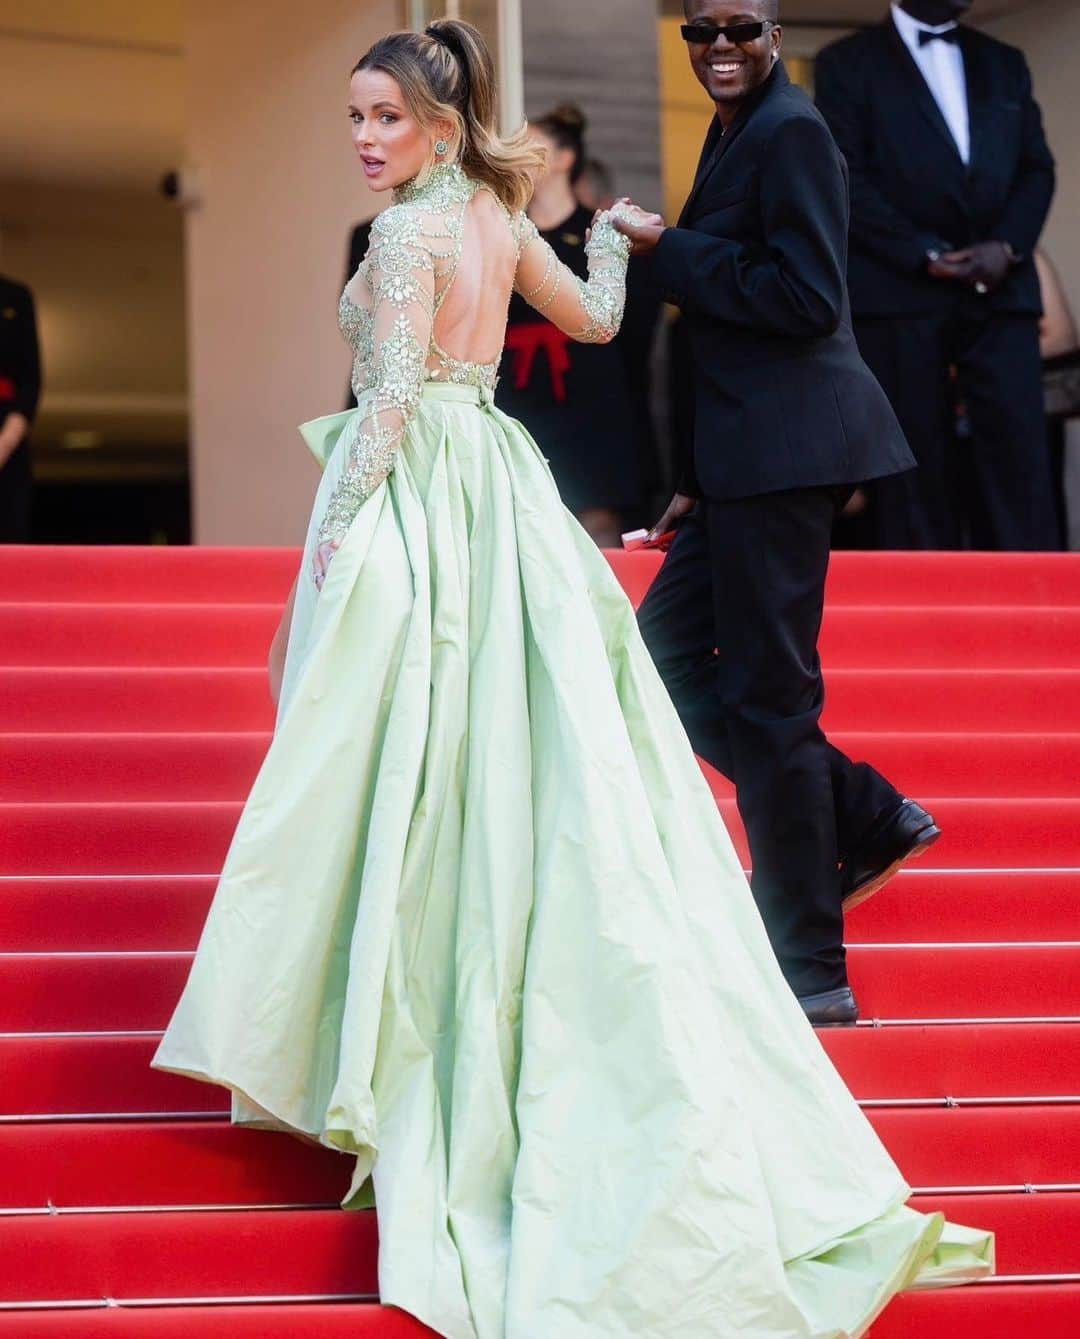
679,506
321,561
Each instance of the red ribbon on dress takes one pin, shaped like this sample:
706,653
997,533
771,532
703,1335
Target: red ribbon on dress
526,340
7,388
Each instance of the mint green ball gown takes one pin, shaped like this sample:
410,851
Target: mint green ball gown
481,927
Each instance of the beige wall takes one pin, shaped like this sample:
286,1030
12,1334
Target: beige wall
268,141
1048,31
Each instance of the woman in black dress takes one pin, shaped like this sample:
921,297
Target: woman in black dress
575,399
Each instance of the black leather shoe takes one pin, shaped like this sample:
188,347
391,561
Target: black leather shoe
831,1008
907,832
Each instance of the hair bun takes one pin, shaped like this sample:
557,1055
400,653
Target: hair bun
569,116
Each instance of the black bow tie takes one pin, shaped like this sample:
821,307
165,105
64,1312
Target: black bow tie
949,35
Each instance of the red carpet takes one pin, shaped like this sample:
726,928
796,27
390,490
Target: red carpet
133,716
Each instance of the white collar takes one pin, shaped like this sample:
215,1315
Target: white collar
909,27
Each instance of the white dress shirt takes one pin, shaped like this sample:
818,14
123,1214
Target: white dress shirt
942,66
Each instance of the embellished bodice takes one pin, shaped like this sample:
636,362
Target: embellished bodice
389,309
444,196
357,324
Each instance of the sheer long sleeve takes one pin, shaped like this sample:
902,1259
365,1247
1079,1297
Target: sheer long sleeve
401,272
589,311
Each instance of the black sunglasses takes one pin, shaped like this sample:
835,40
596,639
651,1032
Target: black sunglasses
705,34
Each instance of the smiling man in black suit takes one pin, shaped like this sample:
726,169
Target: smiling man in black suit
951,183
787,420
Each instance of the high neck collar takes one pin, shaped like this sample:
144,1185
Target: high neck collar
443,184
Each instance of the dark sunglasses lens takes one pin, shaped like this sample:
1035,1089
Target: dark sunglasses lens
705,34
744,32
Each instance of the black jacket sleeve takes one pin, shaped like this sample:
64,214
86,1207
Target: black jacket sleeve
877,226
792,283
26,373
1033,186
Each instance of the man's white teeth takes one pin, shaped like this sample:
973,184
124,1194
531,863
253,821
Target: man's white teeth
726,69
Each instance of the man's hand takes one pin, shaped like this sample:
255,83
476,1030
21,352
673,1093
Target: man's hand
14,429
679,506
982,266
644,230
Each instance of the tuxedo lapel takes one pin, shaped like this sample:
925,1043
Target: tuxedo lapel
714,137
923,99
978,96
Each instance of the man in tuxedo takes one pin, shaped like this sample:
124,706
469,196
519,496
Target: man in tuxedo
951,182
787,420
20,386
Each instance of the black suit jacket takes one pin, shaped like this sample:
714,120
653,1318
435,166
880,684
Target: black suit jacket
20,369
757,264
911,191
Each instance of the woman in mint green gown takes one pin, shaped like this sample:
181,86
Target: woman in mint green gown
481,927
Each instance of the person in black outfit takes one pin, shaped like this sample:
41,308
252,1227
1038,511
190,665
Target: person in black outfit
951,181
787,419
20,387
578,399
359,240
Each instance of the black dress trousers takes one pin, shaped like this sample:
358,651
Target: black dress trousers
996,490
732,622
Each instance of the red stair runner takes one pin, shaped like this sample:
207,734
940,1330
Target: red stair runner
133,717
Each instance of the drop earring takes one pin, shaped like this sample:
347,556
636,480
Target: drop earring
441,147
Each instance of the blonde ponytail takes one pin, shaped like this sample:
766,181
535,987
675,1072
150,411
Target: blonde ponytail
446,73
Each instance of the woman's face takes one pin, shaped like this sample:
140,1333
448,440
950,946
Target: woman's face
391,144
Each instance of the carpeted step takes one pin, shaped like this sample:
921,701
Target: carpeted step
82,768
140,634
1027,1227
319,1251
140,699
165,574
197,1162
131,573
69,992
171,838
129,699
212,1253
988,1311
1005,1146
68,913
957,1061
116,1163
950,637
966,980
192,838
192,765
1003,765
115,912
229,634
89,1073
953,906
255,1320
